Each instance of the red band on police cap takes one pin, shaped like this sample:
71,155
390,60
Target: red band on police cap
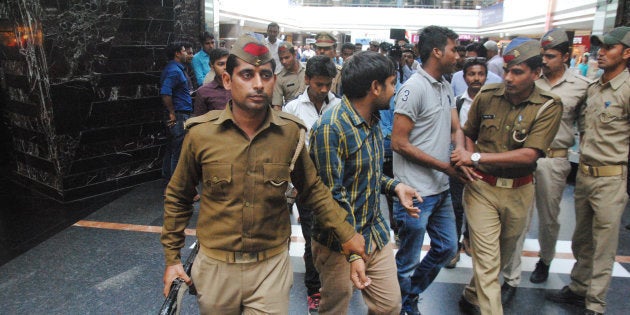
255,49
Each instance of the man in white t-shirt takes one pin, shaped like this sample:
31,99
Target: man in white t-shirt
273,42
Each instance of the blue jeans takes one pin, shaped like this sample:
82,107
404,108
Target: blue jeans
436,218
174,145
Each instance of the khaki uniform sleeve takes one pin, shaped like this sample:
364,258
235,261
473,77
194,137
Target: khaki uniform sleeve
545,127
471,127
317,196
178,203
277,98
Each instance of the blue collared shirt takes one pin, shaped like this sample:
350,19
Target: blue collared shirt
174,82
201,66
348,155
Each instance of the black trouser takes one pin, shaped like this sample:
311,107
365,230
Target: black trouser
457,190
311,276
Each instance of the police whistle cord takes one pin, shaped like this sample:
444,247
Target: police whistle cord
172,303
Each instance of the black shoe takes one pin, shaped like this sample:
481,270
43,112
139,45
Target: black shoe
591,312
541,273
565,296
507,293
468,308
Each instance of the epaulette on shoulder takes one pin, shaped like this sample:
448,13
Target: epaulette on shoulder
292,118
585,79
550,95
490,87
209,116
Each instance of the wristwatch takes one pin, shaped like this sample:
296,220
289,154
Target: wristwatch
475,157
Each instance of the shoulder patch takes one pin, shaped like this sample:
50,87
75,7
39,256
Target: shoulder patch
292,118
209,116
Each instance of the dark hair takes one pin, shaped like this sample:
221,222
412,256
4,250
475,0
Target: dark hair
362,69
320,66
232,62
478,48
469,62
273,24
534,62
460,48
172,48
348,46
204,36
434,37
218,53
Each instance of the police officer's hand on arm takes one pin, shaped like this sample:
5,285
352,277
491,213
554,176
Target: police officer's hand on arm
355,245
173,272
405,195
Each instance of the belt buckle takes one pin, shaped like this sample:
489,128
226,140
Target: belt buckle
505,182
245,257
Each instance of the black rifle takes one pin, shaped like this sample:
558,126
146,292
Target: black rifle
169,306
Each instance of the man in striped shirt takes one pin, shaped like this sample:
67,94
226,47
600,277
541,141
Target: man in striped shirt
346,145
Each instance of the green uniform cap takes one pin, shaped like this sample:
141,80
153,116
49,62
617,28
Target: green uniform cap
554,38
519,50
619,35
251,50
325,40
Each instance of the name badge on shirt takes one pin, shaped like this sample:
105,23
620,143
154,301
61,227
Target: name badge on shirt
487,116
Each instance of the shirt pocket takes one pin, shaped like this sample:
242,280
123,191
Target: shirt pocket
489,131
276,178
217,179
611,114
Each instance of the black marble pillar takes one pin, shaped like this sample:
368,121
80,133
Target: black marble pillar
80,88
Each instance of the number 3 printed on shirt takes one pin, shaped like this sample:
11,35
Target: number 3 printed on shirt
405,95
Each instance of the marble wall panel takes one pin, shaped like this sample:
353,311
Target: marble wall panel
82,78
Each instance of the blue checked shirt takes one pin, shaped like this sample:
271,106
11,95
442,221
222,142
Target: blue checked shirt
348,154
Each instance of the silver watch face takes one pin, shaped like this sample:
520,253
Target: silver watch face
475,157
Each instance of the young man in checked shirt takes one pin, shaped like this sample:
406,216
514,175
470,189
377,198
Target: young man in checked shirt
346,145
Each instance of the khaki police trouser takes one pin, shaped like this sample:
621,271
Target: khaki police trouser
382,296
599,204
551,179
251,288
497,218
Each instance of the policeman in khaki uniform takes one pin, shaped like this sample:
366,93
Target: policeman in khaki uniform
326,44
552,171
290,80
600,189
245,156
510,125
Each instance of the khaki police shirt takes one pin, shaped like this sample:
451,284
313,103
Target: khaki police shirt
336,82
605,122
243,205
498,126
288,86
571,89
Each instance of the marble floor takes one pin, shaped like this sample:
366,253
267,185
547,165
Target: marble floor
103,256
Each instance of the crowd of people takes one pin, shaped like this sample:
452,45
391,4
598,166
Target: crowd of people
464,141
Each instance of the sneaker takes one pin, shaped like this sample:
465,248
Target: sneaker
565,296
453,263
313,303
411,307
540,274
